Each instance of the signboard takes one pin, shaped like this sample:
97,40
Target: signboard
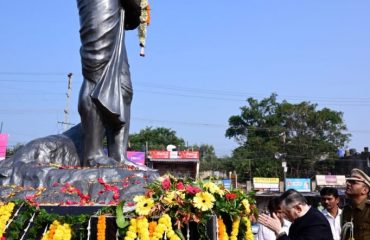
159,154
227,183
271,184
154,154
189,154
3,145
299,184
331,180
136,157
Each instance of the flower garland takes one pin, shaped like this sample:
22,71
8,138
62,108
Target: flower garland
152,226
100,233
144,22
142,229
132,229
222,233
58,231
5,214
248,232
221,229
235,229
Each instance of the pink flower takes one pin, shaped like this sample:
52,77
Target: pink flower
55,184
101,181
180,186
130,204
166,184
192,190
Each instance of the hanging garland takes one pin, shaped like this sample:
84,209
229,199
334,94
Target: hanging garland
221,227
102,225
144,22
248,232
58,231
5,214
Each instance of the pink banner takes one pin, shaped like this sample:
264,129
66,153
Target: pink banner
3,145
136,157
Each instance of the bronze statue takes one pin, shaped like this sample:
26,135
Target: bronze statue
106,93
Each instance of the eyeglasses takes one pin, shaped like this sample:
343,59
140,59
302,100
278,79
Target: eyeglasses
352,182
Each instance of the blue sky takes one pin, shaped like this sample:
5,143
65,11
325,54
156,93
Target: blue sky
204,58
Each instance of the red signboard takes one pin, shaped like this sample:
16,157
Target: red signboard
159,154
178,155
189,154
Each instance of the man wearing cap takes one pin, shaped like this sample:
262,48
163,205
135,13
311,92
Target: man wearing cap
357,213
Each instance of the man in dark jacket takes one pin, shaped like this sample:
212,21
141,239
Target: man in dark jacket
307,222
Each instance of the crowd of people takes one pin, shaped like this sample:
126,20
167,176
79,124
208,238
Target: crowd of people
292,218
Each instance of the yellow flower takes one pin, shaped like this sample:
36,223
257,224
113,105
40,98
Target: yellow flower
213,188
246,205
143,205
235,228
170,198
248,232
204,201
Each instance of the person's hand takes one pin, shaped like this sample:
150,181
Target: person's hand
271,222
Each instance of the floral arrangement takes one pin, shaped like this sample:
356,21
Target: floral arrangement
170,208
180,202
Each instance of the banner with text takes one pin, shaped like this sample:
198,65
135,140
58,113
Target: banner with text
136,157
299,184
331,180
270,184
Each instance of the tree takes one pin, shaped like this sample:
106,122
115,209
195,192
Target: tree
156,138
208,158
10,151
300,132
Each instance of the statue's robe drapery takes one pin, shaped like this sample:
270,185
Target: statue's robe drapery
104,57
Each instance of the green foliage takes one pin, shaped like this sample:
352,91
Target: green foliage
305,134
11,151
156,138
41,220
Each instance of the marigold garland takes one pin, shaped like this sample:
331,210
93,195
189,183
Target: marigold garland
100,235
5,214
152,226
248,232
58,231
222,233
235,229
132,230
143,228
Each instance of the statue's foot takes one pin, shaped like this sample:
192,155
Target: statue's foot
103,161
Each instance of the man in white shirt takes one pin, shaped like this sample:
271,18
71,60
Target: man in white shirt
274,206
330,200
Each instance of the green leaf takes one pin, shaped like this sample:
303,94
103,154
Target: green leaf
120,219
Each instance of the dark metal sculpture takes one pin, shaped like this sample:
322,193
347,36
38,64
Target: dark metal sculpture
106,93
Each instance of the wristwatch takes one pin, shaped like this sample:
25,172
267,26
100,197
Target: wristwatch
281,233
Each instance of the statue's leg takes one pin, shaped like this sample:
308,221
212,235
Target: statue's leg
118,139
92,125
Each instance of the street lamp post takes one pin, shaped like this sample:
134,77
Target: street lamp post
285,168
281,156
